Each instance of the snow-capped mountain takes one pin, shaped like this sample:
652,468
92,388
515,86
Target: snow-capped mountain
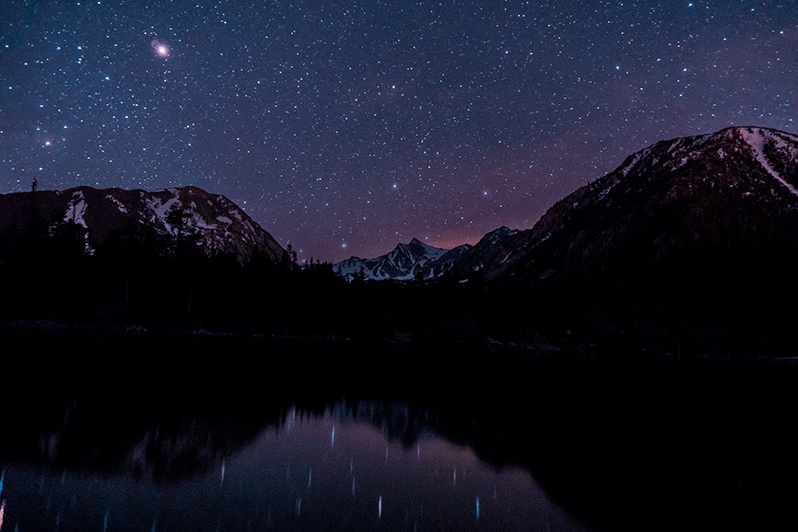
404,262
733,190
419,261
446,263
691,240
466,260
218,225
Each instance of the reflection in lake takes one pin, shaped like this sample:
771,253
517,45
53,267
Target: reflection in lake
335,471
143,432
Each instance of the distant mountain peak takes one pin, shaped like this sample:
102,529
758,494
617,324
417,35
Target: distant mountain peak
404,262
418,260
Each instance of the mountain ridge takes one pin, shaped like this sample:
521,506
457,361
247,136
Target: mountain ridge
691,240
703,180
693,237
774,152
216,224
403,263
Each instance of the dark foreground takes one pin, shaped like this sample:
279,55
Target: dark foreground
618,440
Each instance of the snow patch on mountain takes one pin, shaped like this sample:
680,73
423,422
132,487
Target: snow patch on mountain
756,138
76,209
119,205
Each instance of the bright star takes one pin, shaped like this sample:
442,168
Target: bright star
161,49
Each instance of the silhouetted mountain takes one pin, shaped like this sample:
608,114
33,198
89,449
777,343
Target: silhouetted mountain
700,229
703,194
178,256
698,232
213,222
487,254
445,263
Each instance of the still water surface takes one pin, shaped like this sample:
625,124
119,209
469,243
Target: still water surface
112,432
314,472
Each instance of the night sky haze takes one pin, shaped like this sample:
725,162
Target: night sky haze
345,128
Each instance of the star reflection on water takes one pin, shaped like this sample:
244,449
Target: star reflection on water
331,471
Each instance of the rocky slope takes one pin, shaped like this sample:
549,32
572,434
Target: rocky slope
694,239
218,226
724,192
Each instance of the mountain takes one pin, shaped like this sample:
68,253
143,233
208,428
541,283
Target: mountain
404,262
698,232
702,195
218,226
688,237
419,261
487,254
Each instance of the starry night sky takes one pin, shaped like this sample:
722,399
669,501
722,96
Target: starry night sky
345,128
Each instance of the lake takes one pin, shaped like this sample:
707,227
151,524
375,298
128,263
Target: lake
146,431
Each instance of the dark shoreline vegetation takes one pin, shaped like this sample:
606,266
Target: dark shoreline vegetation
140,279
615,437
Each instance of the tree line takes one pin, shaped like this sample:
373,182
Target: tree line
142,278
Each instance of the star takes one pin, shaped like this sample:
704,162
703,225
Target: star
161,49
